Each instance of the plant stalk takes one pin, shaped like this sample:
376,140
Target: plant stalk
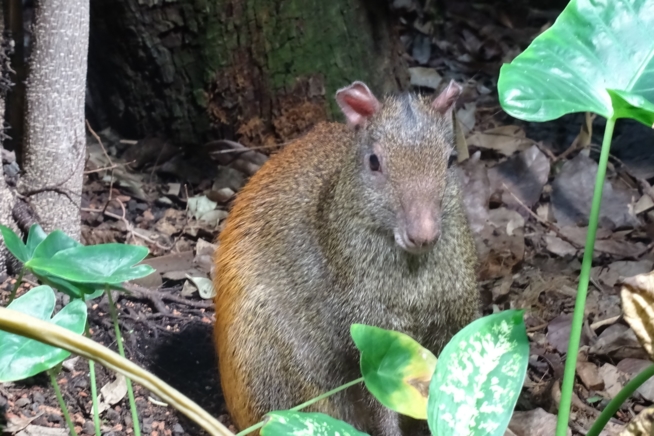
616,402
121,351
16,285
62,403
94,388
582,290
305,404
94,394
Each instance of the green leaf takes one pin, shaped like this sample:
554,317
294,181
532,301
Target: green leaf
21,357
14,244
53,243
35,236
594,52
479,376
396,369
73,290
104,263
286,422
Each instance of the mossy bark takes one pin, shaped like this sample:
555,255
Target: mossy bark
259,71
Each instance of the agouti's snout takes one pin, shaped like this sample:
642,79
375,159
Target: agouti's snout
419,227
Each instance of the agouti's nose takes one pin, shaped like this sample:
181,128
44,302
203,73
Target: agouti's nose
422,231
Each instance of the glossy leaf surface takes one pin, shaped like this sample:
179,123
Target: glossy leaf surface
597,57
35,236
53,243
396,369
286,422
105,263
479,376
14,244
21,357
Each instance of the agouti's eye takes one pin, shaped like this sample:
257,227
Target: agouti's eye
373,160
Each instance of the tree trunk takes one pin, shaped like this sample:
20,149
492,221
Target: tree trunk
6,196
54,146
259,71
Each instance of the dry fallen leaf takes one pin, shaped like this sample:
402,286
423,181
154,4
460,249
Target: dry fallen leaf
113,392
614,379
522,175
638,307
536,422
505,139
476,192
618,342
572,193
633,367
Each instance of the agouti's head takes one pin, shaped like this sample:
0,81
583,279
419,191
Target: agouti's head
404,145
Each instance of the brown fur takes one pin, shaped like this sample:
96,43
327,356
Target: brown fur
308,249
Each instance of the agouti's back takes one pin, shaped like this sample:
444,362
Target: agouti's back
348,224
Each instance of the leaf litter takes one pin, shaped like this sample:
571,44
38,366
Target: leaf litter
527,196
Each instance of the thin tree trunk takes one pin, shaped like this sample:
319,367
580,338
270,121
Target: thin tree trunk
6,198
54,145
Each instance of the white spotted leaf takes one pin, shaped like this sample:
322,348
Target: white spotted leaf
479,376
287,422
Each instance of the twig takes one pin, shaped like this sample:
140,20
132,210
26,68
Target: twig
114,166
128,226
548,224
111,163
147,293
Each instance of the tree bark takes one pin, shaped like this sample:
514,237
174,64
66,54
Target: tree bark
54,146
259,71
6,197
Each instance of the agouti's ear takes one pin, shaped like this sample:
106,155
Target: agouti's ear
357,103
446,99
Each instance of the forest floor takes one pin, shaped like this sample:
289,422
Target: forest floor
527,187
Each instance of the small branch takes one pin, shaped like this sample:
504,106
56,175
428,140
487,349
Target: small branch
546,223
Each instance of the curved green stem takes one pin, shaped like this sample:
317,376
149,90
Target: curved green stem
121,351
62,403
619,399
584,277
303,405
16,285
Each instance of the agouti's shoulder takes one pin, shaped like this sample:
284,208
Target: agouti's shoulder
309,159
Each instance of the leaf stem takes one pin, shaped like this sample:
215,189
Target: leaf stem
121,351
582,290
305,404
62,403
16,285
94,394
616,402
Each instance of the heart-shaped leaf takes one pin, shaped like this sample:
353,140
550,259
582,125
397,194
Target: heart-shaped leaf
286,422
479,377
53,243
104,263
35,236
396,369
597,57
21,357
14,244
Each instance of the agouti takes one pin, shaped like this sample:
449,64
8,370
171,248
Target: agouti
348,224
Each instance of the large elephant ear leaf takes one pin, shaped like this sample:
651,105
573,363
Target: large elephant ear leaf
597,57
